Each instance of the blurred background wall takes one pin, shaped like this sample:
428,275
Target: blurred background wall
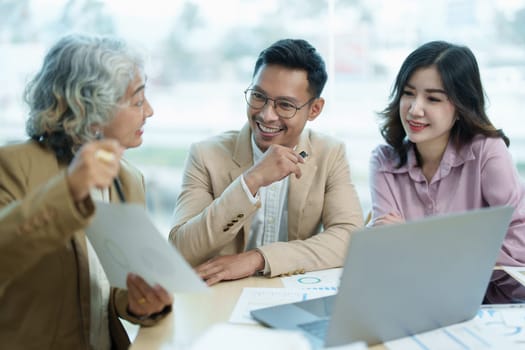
201,56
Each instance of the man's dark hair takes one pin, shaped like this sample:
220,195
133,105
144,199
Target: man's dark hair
296,54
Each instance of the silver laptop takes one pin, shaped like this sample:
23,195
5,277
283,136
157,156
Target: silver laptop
399,280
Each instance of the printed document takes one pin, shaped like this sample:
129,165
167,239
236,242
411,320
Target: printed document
126,240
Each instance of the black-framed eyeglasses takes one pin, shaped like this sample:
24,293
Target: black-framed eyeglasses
284,108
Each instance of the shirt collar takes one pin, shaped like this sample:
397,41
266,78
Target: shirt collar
451,158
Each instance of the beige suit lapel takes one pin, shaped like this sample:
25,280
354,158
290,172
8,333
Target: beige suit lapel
243,157
299,189
242,153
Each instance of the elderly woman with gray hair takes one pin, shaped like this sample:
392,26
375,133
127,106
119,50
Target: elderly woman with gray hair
53,291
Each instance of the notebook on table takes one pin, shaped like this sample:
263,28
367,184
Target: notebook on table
403,279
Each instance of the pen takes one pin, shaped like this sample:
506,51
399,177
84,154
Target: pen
118,187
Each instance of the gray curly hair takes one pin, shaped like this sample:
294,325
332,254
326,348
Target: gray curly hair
79,86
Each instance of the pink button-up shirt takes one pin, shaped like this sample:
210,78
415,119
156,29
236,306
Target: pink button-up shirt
481,174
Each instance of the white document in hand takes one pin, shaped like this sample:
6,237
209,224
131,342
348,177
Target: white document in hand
127,241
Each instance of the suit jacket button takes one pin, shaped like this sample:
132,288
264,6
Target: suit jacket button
240,216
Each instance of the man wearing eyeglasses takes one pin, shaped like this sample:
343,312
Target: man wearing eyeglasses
273,198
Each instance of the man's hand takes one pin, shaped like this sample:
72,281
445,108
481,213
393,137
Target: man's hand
277,163
231,267
388,219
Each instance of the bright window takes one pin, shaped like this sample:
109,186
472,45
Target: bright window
202,55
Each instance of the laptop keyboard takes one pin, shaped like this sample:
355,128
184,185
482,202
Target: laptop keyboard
317,328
